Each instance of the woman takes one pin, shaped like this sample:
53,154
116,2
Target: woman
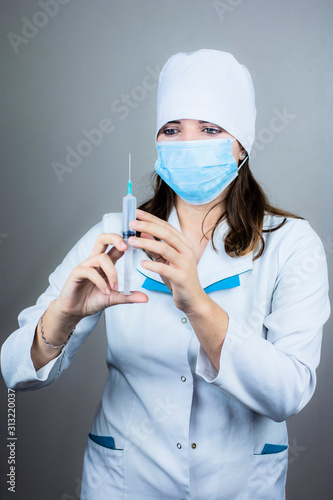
222,339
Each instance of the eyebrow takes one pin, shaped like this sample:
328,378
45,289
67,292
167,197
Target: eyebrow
177,121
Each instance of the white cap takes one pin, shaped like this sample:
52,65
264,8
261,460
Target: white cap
208,85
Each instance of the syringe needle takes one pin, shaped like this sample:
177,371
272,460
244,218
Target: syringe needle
129,166
129,184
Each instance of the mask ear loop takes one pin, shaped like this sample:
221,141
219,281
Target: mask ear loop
246,157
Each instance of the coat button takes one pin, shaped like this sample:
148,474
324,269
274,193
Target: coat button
193,445
179,446
183,378
184,320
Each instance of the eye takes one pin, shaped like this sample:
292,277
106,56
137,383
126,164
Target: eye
169,131
212,130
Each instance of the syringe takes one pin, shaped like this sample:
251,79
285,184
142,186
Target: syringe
129,214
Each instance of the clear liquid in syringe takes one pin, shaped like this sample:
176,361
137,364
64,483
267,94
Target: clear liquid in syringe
129,214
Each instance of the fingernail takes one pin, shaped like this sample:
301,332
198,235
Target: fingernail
140,212
122,245
132,240
134,224
107,291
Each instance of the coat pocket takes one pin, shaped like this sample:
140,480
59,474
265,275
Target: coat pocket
269,472
103,472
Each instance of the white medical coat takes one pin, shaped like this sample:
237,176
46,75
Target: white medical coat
181,429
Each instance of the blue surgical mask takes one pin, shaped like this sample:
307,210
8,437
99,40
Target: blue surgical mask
197,171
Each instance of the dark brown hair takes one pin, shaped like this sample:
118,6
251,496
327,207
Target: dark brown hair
246,206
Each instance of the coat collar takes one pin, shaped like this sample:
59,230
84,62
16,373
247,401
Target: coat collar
214,266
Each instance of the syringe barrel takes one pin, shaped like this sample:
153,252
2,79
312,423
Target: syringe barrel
129,213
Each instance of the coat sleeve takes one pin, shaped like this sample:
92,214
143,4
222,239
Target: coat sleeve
16,364
275,374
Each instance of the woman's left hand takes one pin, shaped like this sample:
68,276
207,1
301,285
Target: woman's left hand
174,259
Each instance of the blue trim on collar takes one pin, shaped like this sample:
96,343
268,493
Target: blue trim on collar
156,286
231,282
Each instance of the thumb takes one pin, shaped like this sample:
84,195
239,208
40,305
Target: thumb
133,298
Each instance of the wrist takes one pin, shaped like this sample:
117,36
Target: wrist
63,318
49,344
205,307
199,306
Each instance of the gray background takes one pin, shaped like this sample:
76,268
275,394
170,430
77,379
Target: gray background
66,79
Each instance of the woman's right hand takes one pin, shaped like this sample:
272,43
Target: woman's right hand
92,286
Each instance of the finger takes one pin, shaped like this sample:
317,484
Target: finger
115,254
162,231
104,263
148,236
152,255
106,239
80,273
147,217
158,248
171,274
142,215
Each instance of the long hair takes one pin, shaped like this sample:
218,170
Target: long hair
246,205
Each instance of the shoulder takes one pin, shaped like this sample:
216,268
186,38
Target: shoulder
290,228
294,235
110,223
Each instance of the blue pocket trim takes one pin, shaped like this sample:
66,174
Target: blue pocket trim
273,448
231,282
106,441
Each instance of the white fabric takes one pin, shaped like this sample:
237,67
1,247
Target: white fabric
267,372
208,85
